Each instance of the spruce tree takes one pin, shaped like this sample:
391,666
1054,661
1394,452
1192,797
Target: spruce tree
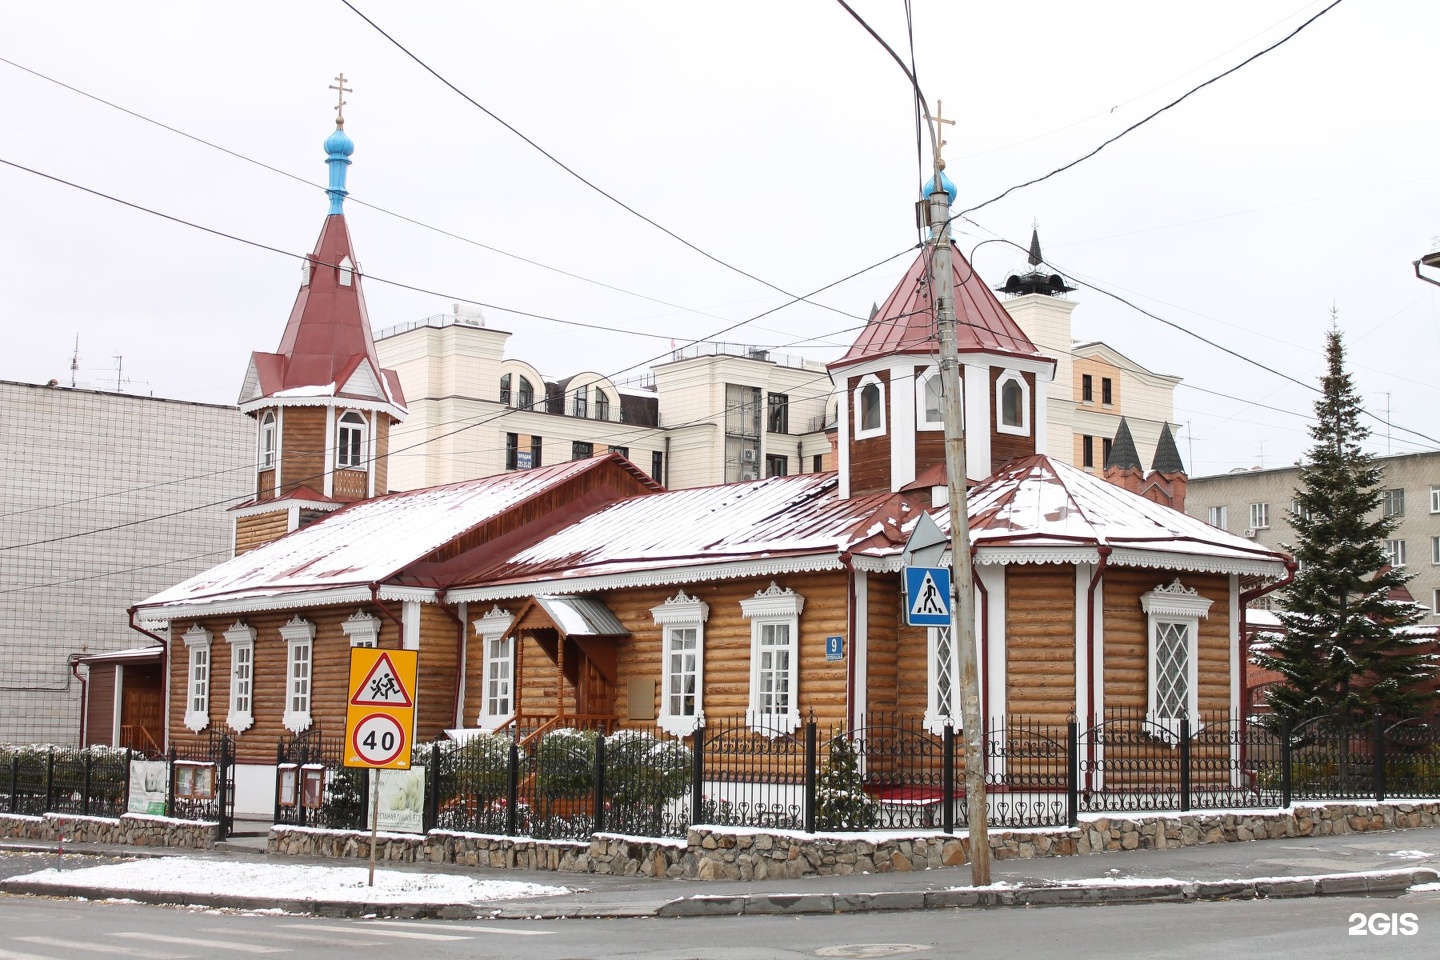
1344,651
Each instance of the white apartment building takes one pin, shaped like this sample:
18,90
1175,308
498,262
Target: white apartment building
713,413
1257,503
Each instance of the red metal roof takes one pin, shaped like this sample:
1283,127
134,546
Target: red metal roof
906,322
327,338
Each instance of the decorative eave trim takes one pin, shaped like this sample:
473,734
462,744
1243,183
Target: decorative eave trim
283,506
1020,556
649,578
1196,563
179,610
418,594
339,401
1176,600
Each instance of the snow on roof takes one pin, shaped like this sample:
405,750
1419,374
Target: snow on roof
1039,502
368,541
778,517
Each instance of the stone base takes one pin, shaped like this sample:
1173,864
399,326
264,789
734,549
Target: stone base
130,829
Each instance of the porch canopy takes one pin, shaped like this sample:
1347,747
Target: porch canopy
579,635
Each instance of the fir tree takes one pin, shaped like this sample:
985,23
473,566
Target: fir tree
1344,652
841,802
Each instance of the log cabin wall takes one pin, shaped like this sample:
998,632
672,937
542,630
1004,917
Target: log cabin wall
329,677
436,672
1127,640
381,453
259,529
1005,447
1040,638
302,449
100,706
882,664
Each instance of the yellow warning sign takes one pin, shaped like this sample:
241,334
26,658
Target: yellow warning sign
380,717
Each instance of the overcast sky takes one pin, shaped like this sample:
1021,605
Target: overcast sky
778,137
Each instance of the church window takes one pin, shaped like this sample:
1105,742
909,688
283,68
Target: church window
774,616
1012,398
299,636
350,452
197,687
1174,613
682,680
869,407
241,639
929,400
497,702
267,440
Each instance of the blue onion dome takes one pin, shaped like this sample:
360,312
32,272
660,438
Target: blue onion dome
928,187
339,144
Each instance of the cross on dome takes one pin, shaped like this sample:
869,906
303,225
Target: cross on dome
340,90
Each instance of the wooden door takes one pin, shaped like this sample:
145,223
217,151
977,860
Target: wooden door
141,710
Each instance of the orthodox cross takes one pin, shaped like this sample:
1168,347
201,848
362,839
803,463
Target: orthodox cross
938,120
341,90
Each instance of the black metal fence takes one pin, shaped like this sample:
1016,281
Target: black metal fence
196,783
889,773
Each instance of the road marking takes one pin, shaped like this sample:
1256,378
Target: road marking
192,942
104,948
860,950
366,930
290,938
499,930
12,955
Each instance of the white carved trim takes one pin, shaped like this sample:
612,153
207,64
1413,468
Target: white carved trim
240,636
773,602
298,631
1023,430
1176,600
650,578
363,629
494,623
681,609
197,641
860,433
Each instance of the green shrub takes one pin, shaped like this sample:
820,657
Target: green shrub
841,802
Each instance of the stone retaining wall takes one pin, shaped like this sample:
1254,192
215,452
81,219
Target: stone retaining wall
131,829
730,854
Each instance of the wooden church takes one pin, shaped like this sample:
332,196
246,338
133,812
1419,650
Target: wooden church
585,593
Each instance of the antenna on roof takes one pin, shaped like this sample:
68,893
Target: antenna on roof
75,362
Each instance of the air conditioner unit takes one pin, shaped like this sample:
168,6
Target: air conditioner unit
1250,534
747,455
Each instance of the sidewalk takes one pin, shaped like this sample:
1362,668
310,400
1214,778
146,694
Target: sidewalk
1381,863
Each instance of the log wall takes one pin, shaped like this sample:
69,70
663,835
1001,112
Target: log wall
1040,638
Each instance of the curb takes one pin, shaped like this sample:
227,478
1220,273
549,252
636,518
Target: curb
1380,882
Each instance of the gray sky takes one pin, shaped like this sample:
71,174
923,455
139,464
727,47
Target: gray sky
778,137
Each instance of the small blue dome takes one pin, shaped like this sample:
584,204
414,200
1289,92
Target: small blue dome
339,144
928,187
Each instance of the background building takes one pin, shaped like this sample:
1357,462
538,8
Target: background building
104,497
712,413
1257,503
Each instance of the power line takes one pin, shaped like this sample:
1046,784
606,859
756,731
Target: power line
563,166
1146,119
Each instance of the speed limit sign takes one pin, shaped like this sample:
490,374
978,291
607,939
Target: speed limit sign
378,739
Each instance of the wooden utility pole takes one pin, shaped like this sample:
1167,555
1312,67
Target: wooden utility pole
942,278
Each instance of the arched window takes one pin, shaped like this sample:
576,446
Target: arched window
267,440
347,272
869,407
929,400
1012,402
505,389
525,398
350,451
602,405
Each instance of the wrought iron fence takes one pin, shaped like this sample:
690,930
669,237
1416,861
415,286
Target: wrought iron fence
889,772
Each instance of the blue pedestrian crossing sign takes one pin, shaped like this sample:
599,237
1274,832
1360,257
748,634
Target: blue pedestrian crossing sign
927,596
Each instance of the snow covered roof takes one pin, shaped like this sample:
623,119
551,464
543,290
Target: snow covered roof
367,542
1037,509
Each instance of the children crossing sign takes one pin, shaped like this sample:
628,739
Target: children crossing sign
381,711
927,596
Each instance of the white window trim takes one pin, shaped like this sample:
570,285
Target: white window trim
298,633
1435,549
1012,376
778,606
347,272
341,447
686,613
855,409
1397,556
493,626
241,639
922,382
1181,605
1221,514
1435,499
363,629
935,721
1259,511
197,678
269,436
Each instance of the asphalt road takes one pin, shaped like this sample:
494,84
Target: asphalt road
1314,928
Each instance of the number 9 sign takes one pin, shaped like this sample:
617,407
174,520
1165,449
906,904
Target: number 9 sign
377,740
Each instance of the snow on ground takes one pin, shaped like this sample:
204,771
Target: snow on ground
283,881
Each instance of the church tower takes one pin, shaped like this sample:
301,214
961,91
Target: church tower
322,404
891,425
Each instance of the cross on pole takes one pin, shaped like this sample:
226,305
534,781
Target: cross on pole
939,120
341,90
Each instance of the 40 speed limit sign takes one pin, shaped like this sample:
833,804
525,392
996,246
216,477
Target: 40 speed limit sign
381,710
